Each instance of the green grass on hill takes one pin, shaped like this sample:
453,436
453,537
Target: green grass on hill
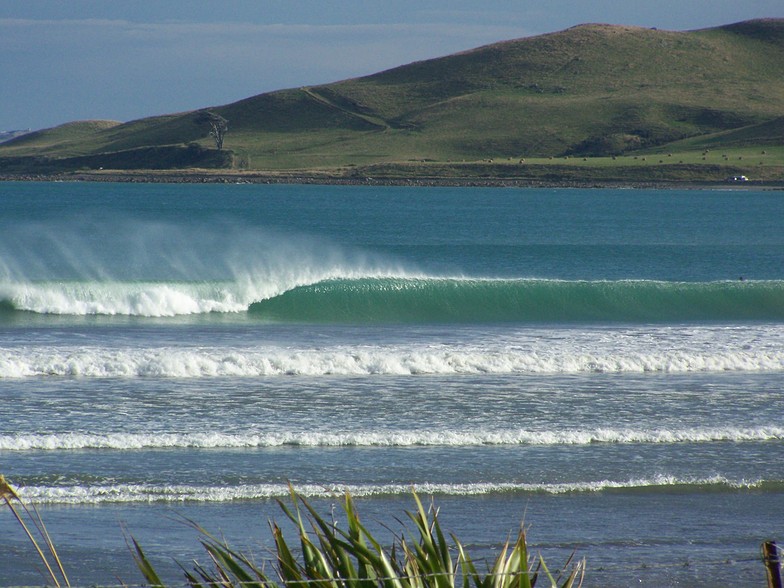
56,140
591,91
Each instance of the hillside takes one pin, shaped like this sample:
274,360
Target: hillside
590,91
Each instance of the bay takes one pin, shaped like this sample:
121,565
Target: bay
589,362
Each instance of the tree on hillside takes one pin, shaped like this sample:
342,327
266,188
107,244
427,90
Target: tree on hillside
218,127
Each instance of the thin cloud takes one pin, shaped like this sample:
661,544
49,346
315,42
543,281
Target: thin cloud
174,29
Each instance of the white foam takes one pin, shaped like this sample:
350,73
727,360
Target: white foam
169,493
408,438
559,358
133,299
167,299
149,268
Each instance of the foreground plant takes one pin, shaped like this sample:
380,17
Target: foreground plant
330,557
54,568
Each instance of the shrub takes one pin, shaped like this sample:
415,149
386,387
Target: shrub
330,557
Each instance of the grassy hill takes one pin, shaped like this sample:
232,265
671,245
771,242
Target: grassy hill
592,91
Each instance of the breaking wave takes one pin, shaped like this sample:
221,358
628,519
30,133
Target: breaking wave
618,354
215,440
410,299
176,493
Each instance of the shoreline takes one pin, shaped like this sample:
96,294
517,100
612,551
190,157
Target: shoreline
315,178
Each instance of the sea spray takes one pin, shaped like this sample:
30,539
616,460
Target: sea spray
154,269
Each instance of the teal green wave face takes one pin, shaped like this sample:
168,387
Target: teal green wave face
402,299
425,300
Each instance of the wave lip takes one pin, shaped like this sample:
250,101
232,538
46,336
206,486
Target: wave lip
144,299
522,300
386,298
216,440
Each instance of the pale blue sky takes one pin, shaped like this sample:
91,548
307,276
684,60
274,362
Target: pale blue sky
64,60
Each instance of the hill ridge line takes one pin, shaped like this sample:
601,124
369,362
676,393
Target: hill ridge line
593,92
326,101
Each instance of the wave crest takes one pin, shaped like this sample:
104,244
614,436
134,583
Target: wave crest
634,351
328,297
523,300
129,493
216,440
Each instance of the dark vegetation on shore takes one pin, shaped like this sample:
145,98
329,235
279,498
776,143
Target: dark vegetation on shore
592,103
329,556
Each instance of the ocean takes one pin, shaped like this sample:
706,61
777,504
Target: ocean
604,367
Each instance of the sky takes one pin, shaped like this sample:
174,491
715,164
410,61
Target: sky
66,60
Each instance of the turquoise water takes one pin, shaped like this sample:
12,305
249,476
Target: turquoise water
605,364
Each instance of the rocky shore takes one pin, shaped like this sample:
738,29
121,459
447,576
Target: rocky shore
353,179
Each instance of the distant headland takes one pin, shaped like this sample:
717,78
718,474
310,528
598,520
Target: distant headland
595,103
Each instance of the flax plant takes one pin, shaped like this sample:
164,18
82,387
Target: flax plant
54,568
330,557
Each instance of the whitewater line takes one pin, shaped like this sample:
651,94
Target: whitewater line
179,493
625,356
425,438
